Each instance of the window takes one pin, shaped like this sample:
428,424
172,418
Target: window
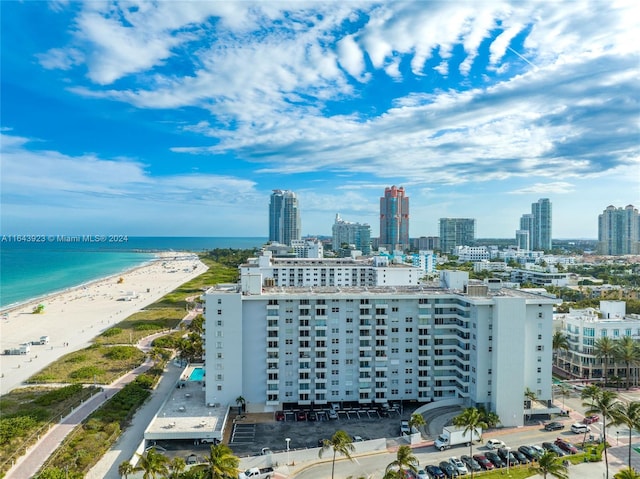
219,311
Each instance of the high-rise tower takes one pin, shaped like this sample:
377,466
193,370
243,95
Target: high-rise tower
394,219
619,231
284,217
538,224
456,232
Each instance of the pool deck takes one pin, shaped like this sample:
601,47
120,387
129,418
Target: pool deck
185,414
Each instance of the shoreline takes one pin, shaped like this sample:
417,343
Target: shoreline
73,317
159,256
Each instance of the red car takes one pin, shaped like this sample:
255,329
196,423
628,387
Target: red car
279,415
566,446
591,419
485,463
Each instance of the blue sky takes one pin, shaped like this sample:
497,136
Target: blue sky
180,118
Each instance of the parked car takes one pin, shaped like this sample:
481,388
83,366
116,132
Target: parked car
540,450
553,426
566,446
332,414
404,427
507,456
495,459
459,465
549,446
312,416
495,443
422,474
522,458
485,463
435,472
591,419
301,416
578,428
449,471
529,452
471,463
280,416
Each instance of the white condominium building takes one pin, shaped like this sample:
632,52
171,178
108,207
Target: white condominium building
306,272
279,346
583,328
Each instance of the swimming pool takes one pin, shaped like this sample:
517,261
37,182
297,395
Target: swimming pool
197,374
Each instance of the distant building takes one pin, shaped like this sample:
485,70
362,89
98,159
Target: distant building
394,219
284,217
472,253
456,232
522,240
539,277
425,243
538,225
425,260
308,248
348,233
619,231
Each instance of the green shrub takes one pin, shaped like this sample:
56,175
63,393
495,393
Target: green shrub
117,353
146,327
112,332
58,395
77,358
11,427
88,372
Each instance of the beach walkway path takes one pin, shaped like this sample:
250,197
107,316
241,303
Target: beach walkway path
28,465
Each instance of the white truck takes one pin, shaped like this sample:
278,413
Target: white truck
454,436
257,473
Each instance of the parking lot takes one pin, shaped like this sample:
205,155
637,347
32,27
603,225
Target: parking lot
248,434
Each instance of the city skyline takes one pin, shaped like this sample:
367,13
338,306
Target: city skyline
148,119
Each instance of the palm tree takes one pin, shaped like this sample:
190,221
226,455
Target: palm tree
530,396
240,401
627,415
590,393
628,352
405,460
152,464
471,420
559,342
549,463
604,403
125,468
221,463
341,443
177,466
628,473
564,392
604,349
393,474
490,418
416,420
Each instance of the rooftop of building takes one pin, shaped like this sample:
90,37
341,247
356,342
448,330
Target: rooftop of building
185,413
431,288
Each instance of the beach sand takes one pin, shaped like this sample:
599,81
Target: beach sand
74,317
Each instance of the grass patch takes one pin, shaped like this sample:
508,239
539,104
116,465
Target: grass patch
103,364
82,449
27,412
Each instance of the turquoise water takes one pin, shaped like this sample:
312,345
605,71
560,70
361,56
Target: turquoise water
197,374
32,270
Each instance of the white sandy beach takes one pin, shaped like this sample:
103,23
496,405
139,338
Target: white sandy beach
74,317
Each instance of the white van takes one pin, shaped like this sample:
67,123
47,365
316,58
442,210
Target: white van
578,428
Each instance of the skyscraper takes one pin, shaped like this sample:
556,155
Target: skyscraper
456,232
619,231
284,217
394,219
346,232
538,224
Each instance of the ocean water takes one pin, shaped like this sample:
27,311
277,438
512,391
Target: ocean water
30,270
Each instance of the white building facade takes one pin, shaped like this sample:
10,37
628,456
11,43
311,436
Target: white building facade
583,327
279,346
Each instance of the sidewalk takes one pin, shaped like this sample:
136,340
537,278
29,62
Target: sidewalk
29,464
130,439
